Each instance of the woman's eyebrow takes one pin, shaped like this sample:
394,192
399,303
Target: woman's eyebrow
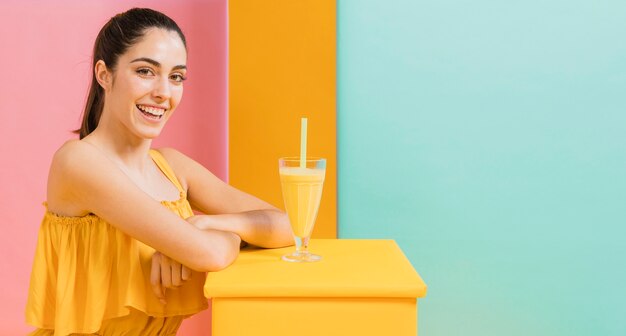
155,63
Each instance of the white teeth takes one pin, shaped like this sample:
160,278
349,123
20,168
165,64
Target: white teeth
152,110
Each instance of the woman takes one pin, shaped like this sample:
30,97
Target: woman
119,228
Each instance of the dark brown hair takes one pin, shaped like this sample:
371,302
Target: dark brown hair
116,36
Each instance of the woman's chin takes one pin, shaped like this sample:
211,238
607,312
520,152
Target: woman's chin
150,133
152,136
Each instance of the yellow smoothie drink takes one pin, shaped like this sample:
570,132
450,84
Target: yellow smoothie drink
302,191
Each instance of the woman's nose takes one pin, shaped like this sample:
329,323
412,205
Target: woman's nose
162,89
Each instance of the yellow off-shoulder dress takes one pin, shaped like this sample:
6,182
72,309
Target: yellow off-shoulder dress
90,278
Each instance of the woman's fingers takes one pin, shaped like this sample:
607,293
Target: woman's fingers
155,277
176,274
185,273
166,272
173,273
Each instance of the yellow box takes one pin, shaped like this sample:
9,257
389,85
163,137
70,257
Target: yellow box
361,287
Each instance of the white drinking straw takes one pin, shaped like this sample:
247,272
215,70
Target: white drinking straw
303,143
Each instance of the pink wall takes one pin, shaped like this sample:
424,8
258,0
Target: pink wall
45,50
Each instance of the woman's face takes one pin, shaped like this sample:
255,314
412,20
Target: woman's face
147,83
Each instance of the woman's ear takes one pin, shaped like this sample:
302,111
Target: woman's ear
103,75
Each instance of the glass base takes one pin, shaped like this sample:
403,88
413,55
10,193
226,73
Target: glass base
301,257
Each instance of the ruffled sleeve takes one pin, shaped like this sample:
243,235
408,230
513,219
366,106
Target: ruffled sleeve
86,271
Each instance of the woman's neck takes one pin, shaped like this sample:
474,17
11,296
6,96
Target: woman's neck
130,152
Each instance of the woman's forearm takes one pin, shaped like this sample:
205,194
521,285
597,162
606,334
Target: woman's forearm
264,228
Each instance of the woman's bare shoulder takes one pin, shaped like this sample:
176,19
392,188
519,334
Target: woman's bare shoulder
173,156
75,156
72,164
180,163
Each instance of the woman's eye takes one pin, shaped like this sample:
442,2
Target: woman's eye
144,72
178,78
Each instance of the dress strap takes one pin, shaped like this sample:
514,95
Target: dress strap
160,161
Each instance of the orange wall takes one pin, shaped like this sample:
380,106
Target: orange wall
282,68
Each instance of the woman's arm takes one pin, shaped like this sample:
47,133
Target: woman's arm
255,221
83,180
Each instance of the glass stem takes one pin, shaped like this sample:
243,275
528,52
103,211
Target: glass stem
302,244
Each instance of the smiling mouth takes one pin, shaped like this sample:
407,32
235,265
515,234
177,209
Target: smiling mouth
151,112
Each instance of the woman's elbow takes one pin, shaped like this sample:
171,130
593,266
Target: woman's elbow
220,262
282,234
216,257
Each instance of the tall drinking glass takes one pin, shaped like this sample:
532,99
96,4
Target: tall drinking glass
302,192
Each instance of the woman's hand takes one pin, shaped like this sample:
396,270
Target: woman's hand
201,222
166,273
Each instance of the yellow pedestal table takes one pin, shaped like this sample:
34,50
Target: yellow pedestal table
360,287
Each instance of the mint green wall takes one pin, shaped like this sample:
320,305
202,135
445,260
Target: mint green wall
489,139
